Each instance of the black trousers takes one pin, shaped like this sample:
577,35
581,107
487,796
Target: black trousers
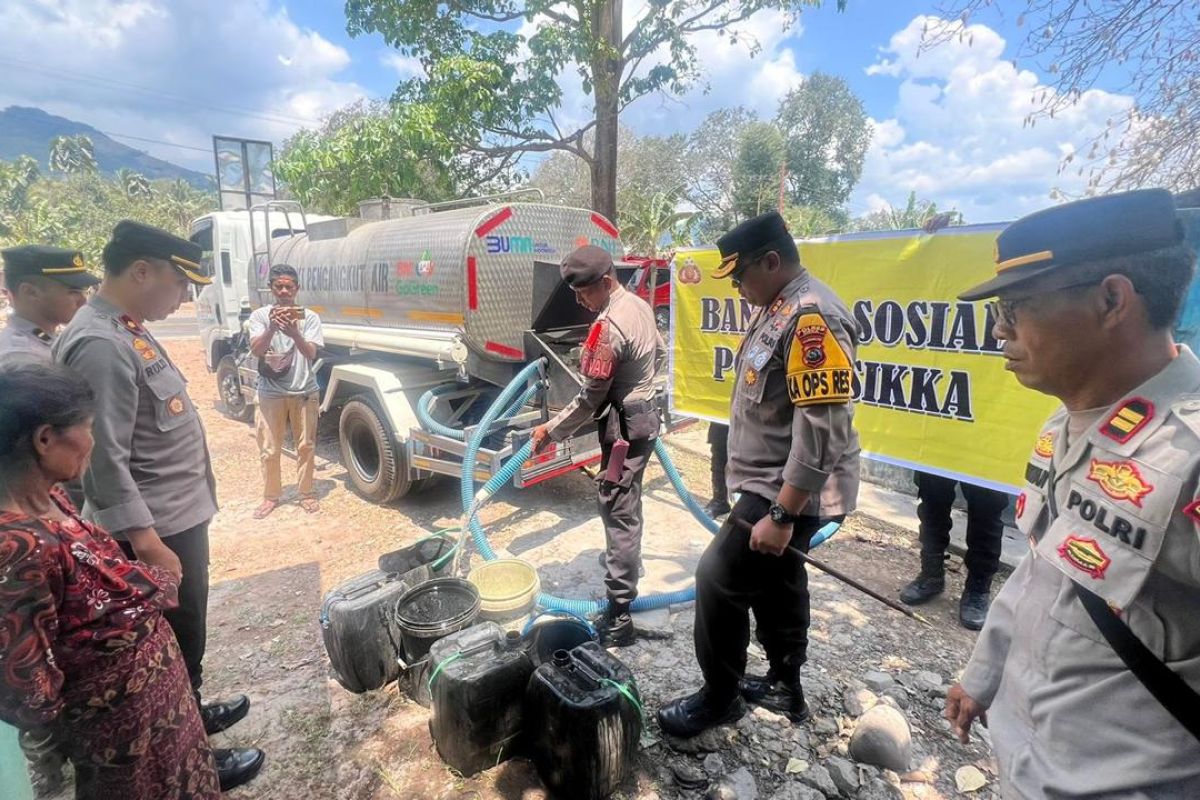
190,620
620,504
985,530
718,445
732,580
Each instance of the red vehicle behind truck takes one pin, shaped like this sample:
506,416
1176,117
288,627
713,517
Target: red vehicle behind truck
658,272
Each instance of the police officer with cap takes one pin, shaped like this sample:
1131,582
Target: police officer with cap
150,480
1088,667
793,456
46,286
621,355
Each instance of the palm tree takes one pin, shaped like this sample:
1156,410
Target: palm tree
646,220
134,183
72,155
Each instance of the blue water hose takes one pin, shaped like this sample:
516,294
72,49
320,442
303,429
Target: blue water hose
472,501
433,425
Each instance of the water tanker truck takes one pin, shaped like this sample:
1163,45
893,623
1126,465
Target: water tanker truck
428,310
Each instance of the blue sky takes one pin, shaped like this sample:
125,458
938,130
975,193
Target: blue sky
948,124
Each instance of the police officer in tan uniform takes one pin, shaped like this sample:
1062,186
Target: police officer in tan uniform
793,456
1089,664
149,481
46,286
621,355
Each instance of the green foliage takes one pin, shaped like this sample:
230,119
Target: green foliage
79,209
709,160
914,214
496,91
758,169
649,218
825,126
807,222
72,155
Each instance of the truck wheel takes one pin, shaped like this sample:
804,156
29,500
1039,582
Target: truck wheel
377,465
229,388
662,318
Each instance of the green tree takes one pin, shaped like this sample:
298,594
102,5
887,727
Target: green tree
807,222
709,159
72,155
649,218
915,214
825,126
496,91
758,169
134,183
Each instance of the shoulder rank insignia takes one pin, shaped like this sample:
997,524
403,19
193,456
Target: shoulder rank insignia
751,376
818,369
598,360
1085,555
1045,445
131,324
1120,480
1130,418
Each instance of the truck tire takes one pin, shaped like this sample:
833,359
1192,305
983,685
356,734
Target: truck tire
229,390
376,463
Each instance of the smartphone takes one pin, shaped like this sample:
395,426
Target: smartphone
290,313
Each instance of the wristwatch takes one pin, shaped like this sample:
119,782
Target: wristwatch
780,516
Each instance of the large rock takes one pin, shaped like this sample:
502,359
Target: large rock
878,682
858,701
882,738
819,778
844,774
797,791
737,785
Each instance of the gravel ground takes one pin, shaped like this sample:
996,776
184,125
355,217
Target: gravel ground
268,578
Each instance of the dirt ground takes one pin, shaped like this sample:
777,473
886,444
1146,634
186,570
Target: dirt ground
268,579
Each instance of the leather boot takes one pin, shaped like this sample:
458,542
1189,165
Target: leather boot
782,694
928,584
974,603
616,628
717,507
694,714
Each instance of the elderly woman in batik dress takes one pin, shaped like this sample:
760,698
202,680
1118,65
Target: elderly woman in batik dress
85,654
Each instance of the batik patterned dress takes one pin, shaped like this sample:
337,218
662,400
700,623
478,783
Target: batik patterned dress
86,653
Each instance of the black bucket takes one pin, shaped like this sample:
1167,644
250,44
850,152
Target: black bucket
553,630
432,610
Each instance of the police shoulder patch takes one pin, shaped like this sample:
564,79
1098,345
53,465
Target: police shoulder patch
598,360
818,368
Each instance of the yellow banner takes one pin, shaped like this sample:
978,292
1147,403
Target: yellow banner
930,386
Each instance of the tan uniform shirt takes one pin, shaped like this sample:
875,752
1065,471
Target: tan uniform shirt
622,354
150,465
1067,718
23,342
791,419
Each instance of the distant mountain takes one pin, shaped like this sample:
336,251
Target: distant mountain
29,131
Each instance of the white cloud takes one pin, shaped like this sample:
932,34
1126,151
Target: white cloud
404,66
173,70
959,134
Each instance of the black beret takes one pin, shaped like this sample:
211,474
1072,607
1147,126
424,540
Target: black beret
586,266
39,260
749,239
1049,241
132,240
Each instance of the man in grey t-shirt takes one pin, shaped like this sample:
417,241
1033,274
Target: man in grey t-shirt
285,337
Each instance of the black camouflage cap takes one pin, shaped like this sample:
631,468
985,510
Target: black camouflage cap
1051,241
749,239
56,263
137,240
586,266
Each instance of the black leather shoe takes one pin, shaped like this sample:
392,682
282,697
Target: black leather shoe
692,715
238,766
225,714
973,609
781,696
923,589
616,631
717,507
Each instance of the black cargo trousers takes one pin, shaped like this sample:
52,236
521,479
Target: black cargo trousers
732,580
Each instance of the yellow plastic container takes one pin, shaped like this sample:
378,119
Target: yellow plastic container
507,588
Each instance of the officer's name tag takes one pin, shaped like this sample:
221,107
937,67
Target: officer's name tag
818,370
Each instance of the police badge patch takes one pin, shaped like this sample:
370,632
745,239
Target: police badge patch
818,368
598,360
175,406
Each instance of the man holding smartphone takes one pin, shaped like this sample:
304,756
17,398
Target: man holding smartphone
284,338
